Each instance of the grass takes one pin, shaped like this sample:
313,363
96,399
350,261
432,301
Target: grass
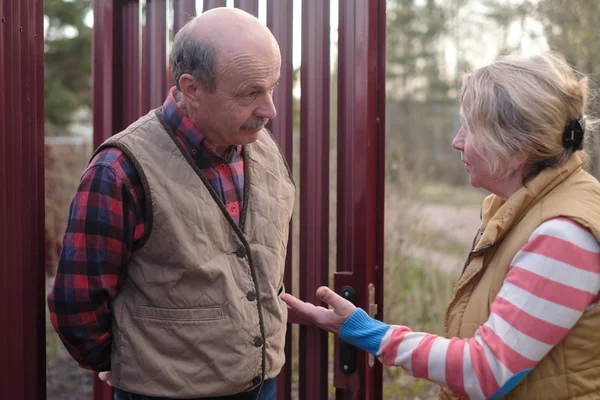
415,296
437,241
54,347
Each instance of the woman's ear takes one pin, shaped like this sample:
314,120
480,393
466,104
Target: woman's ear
518,162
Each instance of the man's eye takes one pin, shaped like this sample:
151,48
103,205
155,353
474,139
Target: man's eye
252,94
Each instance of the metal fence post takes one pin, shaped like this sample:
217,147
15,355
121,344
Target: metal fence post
22,270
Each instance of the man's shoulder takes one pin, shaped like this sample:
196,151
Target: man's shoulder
147,121
116,160
108,157
135,132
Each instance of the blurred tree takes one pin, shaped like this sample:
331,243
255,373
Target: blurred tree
505,15
67,62
572,28
422,111
414,49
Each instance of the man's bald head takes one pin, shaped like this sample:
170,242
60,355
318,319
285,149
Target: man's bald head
213,39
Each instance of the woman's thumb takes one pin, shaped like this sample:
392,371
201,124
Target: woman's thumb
341,306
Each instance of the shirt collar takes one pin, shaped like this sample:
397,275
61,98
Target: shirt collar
186,132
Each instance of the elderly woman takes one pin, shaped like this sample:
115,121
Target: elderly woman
524,322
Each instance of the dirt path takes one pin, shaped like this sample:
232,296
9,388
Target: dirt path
458,224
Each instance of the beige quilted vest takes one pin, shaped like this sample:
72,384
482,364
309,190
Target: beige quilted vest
199,314
572,368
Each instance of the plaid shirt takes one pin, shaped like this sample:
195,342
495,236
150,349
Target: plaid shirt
107,217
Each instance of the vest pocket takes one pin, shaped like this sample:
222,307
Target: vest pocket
209,313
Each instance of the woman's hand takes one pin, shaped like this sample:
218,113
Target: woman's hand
329,320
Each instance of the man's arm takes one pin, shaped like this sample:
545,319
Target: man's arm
107,216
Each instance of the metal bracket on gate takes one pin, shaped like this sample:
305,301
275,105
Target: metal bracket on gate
347,352
372,311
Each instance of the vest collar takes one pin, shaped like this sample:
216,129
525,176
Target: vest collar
498,215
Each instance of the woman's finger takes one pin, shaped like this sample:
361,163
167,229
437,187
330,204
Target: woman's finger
341,306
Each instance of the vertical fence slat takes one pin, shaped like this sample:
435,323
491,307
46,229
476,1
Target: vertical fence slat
360,172
183,11
106,61
22,276
280,21
131,72
377,377
155,54
314,190
38,244
208,4
108,112
250,6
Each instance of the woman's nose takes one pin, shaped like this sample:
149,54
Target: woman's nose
458,142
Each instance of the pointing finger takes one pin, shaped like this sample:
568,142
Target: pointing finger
341,306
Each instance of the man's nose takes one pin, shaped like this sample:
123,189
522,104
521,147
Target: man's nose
267,109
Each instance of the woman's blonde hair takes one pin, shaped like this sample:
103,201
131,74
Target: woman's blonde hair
520,106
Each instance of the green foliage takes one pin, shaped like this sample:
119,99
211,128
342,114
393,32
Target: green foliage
416,296
413,63
67,60
571,27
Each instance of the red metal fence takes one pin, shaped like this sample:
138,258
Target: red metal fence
22,273
130,77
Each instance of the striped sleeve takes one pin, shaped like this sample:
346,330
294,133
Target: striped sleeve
551,282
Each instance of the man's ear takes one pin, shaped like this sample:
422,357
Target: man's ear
191,89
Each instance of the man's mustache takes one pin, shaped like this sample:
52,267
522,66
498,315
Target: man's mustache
259,123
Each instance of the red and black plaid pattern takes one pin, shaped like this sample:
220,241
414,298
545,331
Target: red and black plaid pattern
107,217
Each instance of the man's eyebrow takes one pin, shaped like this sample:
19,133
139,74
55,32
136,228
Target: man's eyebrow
256,86
250,87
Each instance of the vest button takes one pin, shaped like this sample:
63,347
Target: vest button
241,252
251,296
257,341
256,381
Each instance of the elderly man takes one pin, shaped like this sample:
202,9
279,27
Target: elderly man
174,253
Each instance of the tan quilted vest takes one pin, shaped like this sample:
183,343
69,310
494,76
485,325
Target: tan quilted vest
572,368
199,314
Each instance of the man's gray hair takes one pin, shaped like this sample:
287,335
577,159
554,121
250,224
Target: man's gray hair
195,57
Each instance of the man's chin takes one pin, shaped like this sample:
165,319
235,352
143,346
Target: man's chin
251,135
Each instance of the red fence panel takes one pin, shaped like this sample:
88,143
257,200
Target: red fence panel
361,171
360,148
280,20
131,70
155,55
22,272
183,11
314,190
250,6
208,4
106,66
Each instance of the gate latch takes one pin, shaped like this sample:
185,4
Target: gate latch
347,352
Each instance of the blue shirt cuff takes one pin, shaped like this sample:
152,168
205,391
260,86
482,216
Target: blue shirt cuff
364,332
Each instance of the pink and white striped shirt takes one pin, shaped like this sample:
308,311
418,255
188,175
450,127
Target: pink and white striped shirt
551,282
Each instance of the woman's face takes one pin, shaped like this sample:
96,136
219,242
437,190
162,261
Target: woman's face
480,174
